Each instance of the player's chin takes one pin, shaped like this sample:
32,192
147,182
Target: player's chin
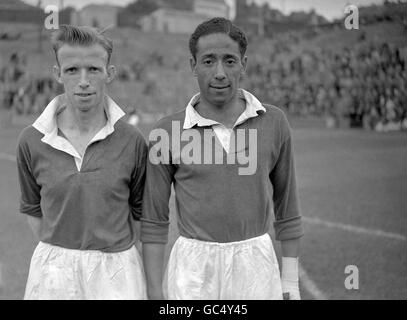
86,102
221,99
85,106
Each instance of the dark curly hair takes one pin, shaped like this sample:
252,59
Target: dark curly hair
218,25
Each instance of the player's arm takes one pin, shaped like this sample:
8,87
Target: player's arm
153,257
137,181
287,225
35,225
155,219
30,191
289,269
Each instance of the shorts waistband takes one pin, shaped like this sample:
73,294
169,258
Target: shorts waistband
45,245
265,236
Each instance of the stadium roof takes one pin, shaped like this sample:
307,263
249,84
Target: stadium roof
14,4
176,12
215,1
101,6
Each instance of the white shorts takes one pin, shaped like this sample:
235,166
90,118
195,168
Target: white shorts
58,273
243,270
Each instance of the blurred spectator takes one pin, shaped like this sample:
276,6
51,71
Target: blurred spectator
21,93
133,118
14,80
366,84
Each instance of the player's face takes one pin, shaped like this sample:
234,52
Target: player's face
218,67
84,73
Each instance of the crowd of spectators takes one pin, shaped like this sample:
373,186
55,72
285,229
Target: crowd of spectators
365,85
20,92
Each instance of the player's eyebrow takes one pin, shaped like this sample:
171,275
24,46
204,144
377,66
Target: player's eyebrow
230,56
70,66
208,55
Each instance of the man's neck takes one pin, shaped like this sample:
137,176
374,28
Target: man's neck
84,123
226,114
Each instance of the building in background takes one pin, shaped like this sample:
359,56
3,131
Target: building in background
212,8
17,11
95,15
168,20
264,21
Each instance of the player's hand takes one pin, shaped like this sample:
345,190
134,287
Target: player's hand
289,279
291,290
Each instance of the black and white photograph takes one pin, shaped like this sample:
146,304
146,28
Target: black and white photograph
212,150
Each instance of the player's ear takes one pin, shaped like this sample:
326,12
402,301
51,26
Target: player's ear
111,73
56,72
192,62
244,64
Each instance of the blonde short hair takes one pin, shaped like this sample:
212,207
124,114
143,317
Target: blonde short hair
80,36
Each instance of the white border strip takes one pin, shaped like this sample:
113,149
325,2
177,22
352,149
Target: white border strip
1,276
360,230
310,285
